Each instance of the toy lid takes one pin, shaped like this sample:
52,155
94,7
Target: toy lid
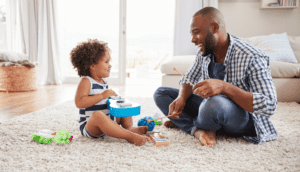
46,133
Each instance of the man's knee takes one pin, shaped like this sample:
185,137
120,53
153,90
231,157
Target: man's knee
160,91
223,108
216,106
219,102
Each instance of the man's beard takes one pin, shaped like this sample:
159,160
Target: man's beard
210,43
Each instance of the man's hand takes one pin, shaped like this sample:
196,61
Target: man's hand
176,107
209,88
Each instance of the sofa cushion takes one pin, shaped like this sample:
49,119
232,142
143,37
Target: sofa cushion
284,70
182,64
277,46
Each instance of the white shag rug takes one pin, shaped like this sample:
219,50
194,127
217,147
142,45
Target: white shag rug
19,153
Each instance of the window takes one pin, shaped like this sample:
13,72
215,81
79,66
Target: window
83,20
150,32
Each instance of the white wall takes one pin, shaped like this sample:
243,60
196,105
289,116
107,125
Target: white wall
244,18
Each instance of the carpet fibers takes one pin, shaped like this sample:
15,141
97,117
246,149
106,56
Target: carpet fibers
19,153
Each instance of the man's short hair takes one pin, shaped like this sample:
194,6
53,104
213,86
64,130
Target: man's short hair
212,14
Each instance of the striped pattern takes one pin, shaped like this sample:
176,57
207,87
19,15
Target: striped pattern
248,68
86,113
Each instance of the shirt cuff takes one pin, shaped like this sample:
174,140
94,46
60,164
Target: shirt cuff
262,105
184,81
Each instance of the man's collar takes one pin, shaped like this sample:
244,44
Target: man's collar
231,43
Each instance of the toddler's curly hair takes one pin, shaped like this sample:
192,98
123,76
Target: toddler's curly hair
86,54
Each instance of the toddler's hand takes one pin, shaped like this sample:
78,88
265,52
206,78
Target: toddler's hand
108,93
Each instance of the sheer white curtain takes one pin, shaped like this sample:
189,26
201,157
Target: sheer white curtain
185,9
39,36
12,31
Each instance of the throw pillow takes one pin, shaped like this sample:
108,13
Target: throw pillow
10,56
277,46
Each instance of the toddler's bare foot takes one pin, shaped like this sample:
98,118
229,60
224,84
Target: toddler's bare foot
138,140
139,130
206,138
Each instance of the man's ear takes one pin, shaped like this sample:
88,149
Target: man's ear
215,27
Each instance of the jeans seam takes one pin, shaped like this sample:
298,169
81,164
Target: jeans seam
193,130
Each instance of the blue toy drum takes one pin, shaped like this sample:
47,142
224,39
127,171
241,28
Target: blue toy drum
144,122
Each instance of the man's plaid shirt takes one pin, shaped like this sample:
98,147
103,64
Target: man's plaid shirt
248,68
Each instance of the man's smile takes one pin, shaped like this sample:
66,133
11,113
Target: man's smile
199,44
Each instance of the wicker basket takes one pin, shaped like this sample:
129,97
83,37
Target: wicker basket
17,78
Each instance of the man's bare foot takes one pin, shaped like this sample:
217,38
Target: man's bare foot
138,140
170,124
206,138
139,130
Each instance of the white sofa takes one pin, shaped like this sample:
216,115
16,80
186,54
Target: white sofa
286,76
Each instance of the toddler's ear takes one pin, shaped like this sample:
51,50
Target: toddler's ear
92,66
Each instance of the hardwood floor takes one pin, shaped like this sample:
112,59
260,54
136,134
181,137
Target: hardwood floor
20,103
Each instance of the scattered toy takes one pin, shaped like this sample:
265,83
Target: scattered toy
158,138
47,136
120,108
144,122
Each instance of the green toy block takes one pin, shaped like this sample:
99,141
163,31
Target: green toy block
157,122
41,139
47,136
62,136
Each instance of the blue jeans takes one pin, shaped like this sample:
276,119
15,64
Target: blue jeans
216,113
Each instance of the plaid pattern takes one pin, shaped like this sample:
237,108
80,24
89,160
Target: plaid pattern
248,68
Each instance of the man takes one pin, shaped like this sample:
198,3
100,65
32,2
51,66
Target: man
233,91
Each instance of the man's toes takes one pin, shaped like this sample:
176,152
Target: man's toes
208,145
167,124
203,142
170,124
211,143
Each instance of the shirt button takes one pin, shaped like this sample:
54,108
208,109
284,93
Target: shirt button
241,86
